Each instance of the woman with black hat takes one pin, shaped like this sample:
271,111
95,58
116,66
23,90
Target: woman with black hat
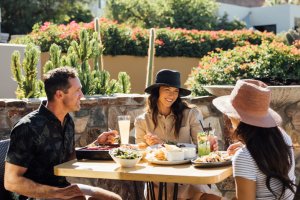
170,120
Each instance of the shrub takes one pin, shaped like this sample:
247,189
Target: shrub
274,62
20,16
188,14
119,39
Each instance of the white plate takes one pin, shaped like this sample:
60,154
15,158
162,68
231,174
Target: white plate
156,146
165,162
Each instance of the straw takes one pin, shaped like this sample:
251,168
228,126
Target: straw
208,128
202,125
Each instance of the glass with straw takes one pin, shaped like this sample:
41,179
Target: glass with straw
203,141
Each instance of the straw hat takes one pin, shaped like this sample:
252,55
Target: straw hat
171,78
249,102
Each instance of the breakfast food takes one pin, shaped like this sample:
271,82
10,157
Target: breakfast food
217,156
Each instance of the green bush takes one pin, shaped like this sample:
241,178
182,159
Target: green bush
18,17
188,14
119,39
274,62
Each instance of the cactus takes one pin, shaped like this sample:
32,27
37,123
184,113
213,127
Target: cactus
93,80
28,84
151,53
98,61
101,82
292,36
78,56
55,61
124,82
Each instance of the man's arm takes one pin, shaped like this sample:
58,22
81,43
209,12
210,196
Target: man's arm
14,181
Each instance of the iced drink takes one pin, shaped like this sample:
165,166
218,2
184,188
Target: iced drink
124,127
203,144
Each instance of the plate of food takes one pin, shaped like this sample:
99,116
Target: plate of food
167,155
95,152
214,159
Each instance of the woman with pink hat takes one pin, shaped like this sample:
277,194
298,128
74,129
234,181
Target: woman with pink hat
264,166
169,119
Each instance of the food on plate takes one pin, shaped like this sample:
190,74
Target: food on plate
125,153
216,156
102,147
159,154
166,152
142,145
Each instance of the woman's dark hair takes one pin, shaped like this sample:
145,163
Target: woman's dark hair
270,152
177,108
58,79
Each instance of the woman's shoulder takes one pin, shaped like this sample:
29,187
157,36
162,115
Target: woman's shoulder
242,154
143,116
193,110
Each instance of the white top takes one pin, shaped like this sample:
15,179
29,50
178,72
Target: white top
245,166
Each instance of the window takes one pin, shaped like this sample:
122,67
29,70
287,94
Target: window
268,28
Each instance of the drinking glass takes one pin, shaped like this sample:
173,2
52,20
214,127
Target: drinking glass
203,144
124,128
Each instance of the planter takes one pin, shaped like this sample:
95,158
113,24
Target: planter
280,95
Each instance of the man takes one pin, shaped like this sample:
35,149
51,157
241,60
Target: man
45,138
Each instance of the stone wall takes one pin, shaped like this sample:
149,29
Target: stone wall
99,113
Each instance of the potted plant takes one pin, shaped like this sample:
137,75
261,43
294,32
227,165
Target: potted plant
274,63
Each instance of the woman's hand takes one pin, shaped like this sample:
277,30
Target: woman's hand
108,137
234,147
213,140
152,139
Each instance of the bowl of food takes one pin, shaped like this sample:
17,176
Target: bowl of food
125,157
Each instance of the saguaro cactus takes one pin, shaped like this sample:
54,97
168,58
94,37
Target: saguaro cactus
124,82
28,84
151,53
98,61
55,55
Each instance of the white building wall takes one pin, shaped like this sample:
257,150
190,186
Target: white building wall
283,16
233,11
278,15
295,13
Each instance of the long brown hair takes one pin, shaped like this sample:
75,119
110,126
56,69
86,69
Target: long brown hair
270,152
177,108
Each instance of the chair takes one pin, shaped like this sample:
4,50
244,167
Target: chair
4,194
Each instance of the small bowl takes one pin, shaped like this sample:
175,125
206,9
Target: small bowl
124,162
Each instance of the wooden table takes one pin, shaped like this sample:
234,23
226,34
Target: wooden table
184,173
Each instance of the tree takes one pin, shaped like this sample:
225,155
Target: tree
19,16
188,14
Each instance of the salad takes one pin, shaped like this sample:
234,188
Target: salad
124,153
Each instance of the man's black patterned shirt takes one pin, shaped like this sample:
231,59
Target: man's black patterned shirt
39,142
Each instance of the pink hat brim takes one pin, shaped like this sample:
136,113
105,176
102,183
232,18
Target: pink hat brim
272,119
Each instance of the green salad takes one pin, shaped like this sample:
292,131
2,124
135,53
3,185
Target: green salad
125,153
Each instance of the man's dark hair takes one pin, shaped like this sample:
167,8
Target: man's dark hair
58,79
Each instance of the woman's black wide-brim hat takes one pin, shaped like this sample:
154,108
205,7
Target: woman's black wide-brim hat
171,78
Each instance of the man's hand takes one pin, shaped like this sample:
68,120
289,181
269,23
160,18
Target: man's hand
108,137
152,139
234,147
69,192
